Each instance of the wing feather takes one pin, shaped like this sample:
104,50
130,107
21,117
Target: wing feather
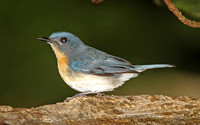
107,67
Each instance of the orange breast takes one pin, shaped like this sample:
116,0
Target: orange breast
62,62
63,66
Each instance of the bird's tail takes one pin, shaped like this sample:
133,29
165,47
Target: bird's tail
141,68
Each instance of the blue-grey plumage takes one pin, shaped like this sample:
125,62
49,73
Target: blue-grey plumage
89,70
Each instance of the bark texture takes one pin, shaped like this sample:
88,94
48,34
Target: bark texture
142,109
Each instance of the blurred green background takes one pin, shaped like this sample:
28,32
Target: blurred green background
138,30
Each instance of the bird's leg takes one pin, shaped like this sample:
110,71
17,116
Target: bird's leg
78,95
99,94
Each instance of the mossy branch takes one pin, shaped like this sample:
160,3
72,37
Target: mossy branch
141,109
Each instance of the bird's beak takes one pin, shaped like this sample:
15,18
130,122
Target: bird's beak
45,39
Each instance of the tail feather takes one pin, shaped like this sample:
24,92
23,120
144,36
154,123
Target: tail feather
153,66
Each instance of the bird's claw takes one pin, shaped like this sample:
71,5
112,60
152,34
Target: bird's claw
100,94
77,95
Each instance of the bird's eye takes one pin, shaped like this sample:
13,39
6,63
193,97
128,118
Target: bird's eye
63,39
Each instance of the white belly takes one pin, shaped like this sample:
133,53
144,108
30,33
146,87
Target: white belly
85,82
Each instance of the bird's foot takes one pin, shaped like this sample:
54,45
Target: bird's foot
100,94
78,95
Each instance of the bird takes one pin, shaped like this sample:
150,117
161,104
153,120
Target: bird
89,70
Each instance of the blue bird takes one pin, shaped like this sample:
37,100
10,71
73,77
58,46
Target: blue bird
89,70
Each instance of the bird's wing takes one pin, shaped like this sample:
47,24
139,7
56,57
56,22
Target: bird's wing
106,65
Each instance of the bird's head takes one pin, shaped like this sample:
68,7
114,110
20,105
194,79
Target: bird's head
64,42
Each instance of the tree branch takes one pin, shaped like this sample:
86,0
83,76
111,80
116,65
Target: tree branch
144,109
180,16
